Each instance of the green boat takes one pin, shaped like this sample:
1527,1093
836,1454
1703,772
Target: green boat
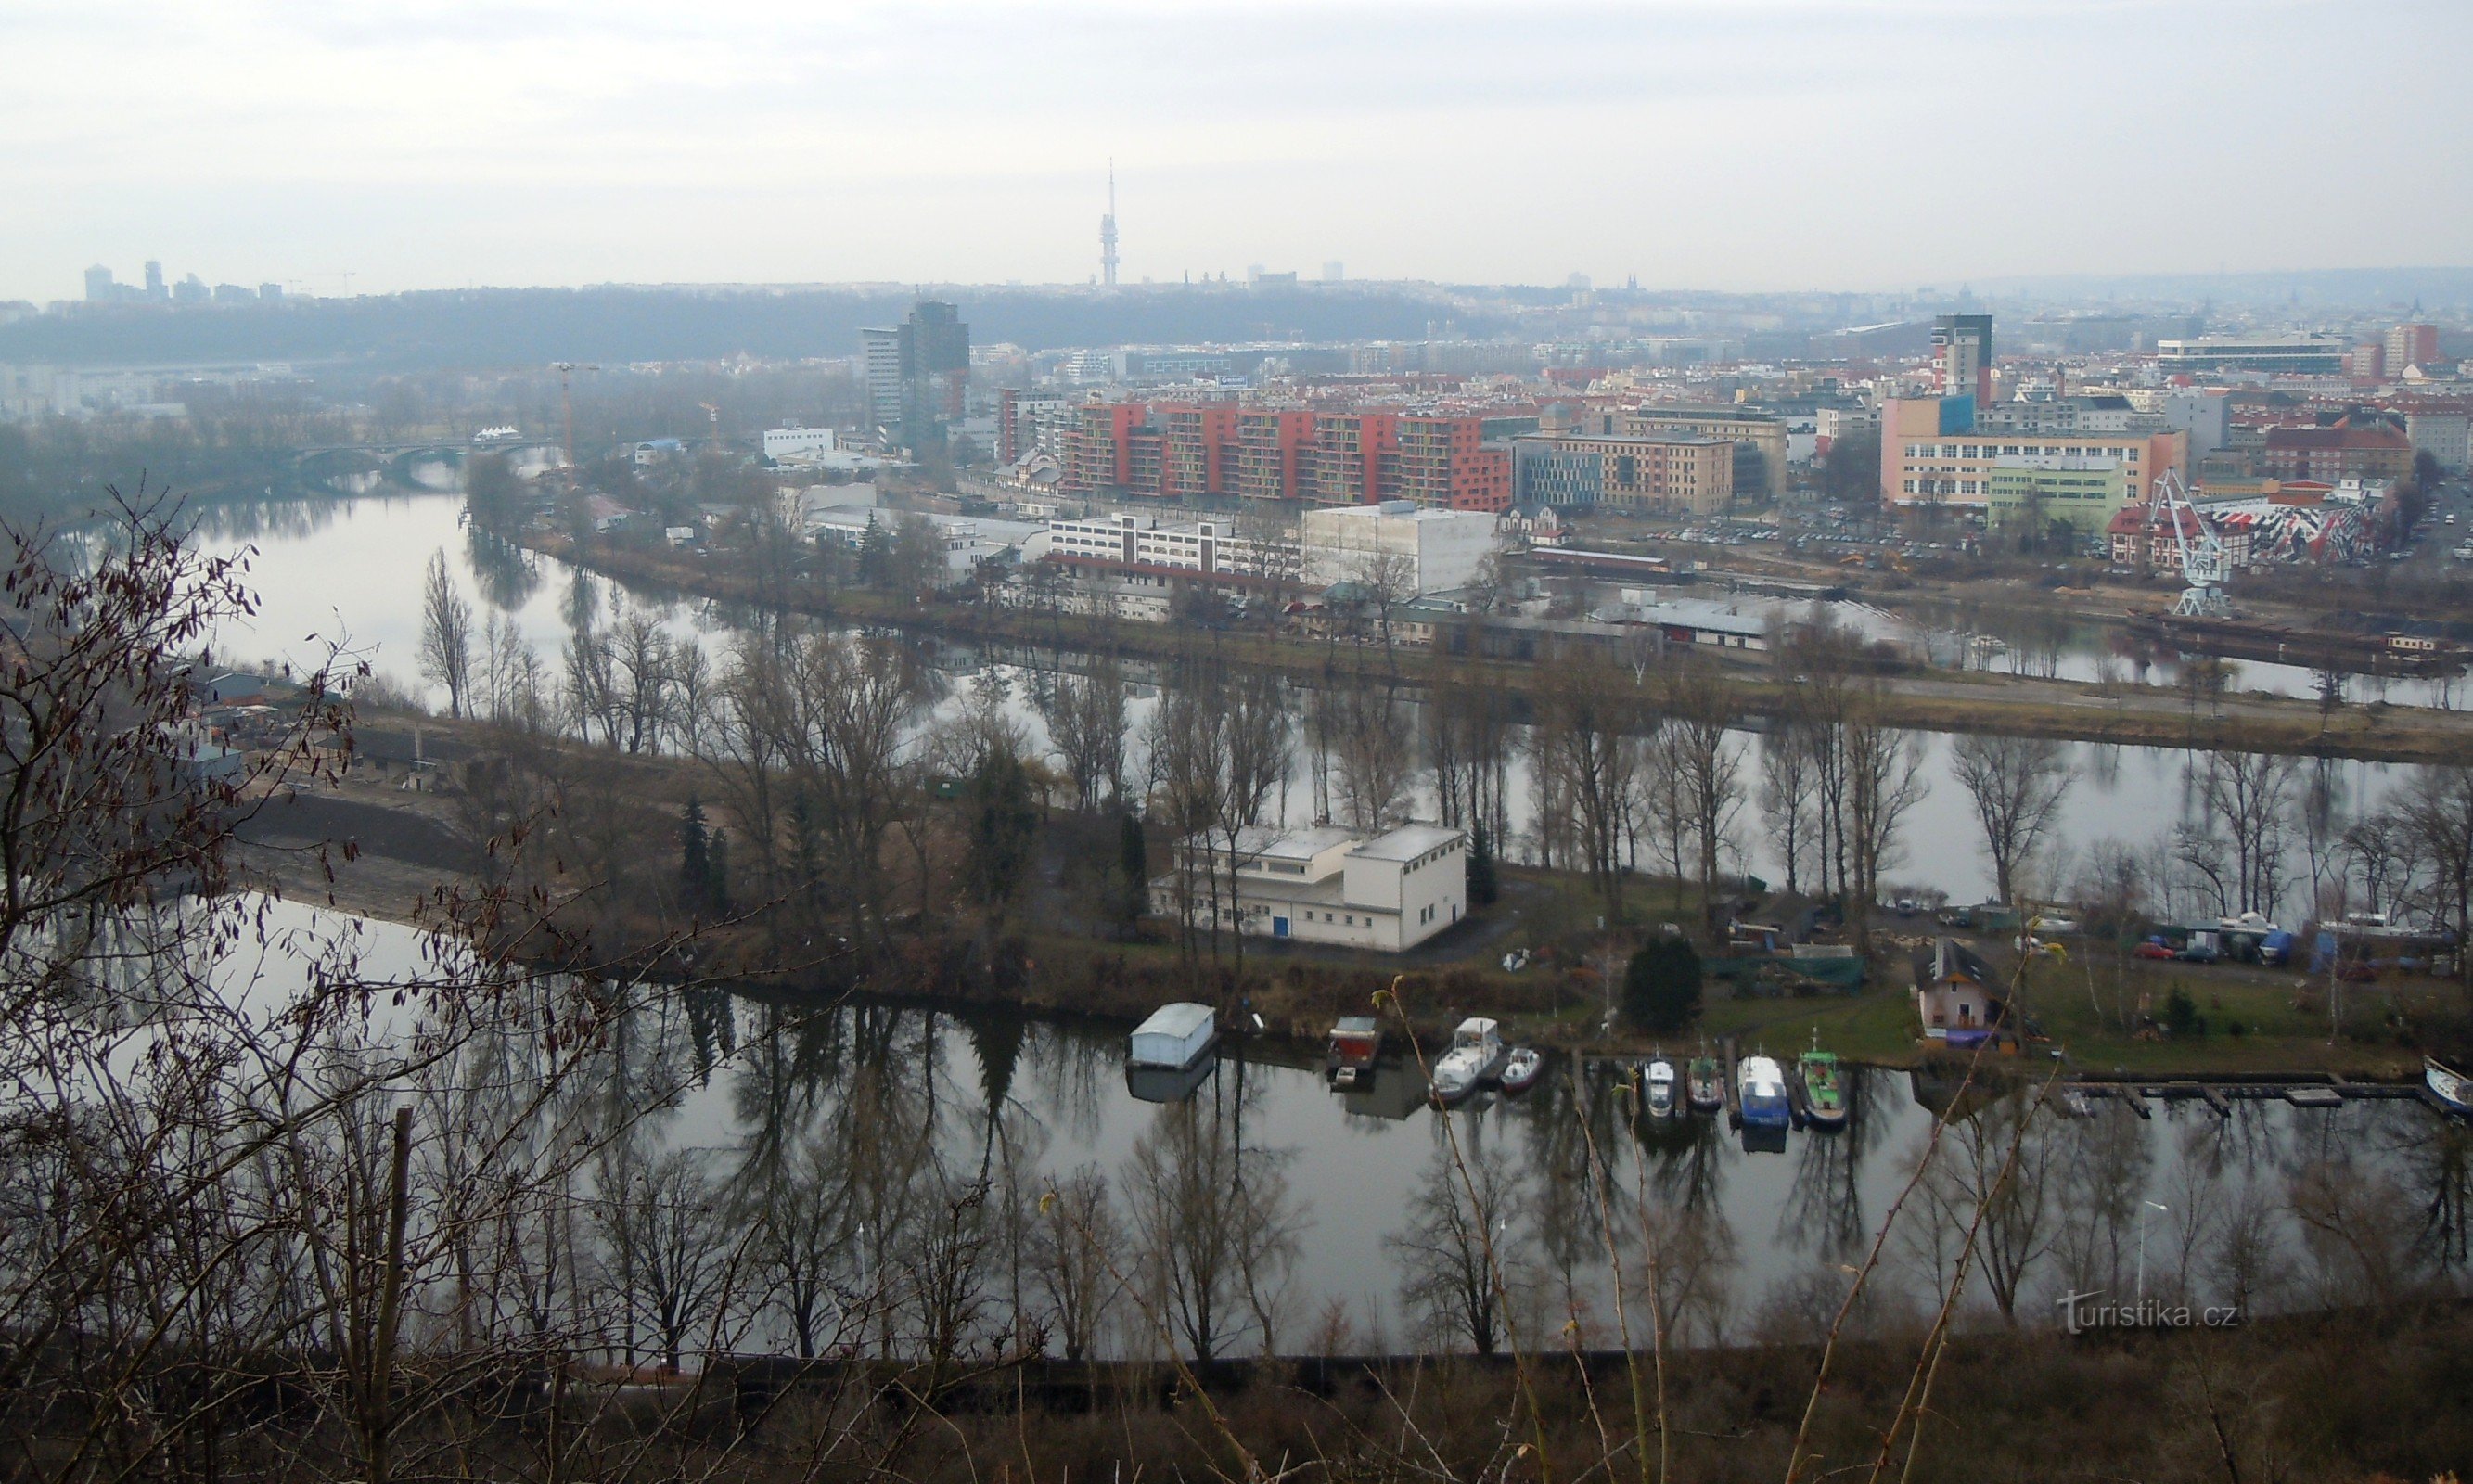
1704,1084
1824,1088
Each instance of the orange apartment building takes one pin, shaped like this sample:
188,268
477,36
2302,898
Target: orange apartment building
1349,450
1183,450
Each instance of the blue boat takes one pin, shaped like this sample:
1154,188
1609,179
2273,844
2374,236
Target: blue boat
1761,1093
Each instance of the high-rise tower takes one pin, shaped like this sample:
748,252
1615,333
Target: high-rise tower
1108,232
1962,356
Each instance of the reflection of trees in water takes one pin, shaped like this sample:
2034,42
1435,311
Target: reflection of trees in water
2435,1166
581,606
504,572
1825,1206
1075,1072
264,520
1569,1231
1214,1221
713,1027
1684,1158
2102,1166
2102,762
788,1063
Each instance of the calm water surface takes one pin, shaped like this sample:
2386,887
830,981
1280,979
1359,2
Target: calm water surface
349,571
745,1082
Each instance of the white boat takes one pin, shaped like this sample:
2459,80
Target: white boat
1476,1054
1521,1069
1657,1085
2450,1086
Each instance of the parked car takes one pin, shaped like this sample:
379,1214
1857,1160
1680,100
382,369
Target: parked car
2151,950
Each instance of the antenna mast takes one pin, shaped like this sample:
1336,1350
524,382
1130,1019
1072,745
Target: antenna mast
1108,231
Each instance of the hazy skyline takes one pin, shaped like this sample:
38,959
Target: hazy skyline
1765,144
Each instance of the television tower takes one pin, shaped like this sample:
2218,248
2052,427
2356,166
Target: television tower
1108,232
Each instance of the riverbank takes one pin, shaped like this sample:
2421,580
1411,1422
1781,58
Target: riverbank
1952,701
377,847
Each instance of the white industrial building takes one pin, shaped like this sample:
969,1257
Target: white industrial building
1324,884
1429,550
784,443
1142,541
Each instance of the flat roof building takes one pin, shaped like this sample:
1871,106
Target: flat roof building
1668,474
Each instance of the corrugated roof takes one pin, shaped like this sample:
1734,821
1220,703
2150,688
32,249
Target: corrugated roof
1178,1020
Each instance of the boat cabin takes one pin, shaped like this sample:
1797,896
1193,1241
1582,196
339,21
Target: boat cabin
1356,1041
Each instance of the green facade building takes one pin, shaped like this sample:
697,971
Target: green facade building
2033,493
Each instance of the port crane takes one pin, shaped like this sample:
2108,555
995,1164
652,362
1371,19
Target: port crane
2205,563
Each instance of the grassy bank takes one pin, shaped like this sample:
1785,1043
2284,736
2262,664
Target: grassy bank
2125,716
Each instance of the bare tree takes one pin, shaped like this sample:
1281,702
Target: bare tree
2017,785
1377,754
1788,768
445,634
1586,740
1213,1225
1458,1247
1708,767
1885,780
2436,816
2249,793
1077,1249
1086,720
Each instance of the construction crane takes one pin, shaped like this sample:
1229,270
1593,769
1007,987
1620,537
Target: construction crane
2205,563
566,405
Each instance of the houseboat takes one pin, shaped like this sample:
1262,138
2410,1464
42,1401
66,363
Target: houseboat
1760,1090
1349,1052
1476,1054
1174,1038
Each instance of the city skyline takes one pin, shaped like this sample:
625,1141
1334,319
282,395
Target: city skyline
1771,145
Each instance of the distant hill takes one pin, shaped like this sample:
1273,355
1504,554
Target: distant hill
2330,288
529,326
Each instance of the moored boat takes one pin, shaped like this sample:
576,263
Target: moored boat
1476,1054
1760,1090
2448,1084
1704,1083
1657,1088
1174,1038
1521,1070
1824,1088
1349,1052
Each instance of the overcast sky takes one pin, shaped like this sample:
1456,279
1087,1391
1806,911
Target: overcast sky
1735,144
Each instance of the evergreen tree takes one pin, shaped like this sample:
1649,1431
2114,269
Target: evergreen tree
1133,874
695,856
716,889
1005,825
1482,887
1662,986
875,554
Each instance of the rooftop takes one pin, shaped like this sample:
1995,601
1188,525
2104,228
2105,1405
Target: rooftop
1406,843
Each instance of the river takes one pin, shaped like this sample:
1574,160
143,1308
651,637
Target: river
749,1087
349,571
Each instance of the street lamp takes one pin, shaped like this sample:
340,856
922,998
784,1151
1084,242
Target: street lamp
2143,1207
